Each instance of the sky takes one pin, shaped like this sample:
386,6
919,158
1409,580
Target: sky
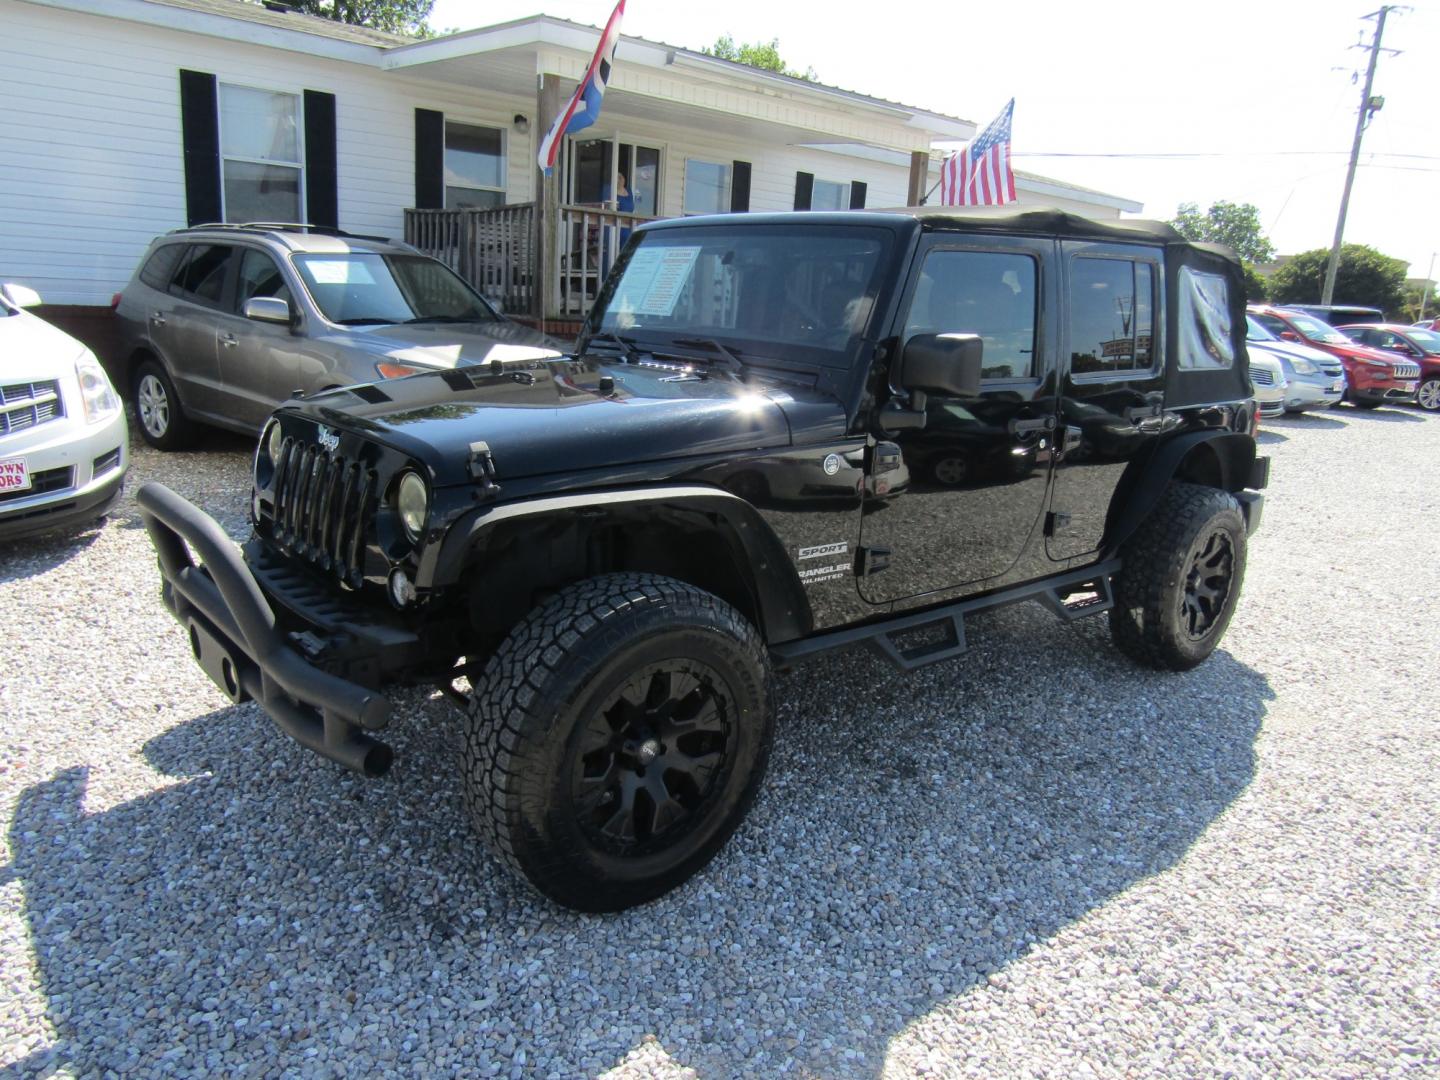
1162,103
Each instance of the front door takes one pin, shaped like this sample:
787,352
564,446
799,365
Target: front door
259,364
1112,397
971,491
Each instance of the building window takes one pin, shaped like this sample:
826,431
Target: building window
707,187
474,167
829,195
260,151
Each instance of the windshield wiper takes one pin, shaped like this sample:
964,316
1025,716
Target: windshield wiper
367,321
444,319
627,345
729,359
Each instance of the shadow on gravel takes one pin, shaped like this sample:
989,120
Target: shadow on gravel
1311,419
916,834
1266,437
32,555
1384,415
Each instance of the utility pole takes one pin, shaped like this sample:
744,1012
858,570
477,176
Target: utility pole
1425,293
1368,107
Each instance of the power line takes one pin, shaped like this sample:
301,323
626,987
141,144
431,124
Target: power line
1189,154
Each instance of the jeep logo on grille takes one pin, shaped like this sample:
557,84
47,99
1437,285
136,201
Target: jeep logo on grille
327,438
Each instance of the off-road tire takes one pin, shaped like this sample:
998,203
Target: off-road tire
557,679
158,413
1150,622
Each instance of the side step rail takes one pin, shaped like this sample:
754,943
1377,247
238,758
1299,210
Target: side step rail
927,637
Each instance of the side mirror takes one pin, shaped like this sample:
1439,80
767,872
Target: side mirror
943,363
20,295
1289,335
269,309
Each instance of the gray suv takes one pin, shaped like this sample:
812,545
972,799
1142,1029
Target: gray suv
221,323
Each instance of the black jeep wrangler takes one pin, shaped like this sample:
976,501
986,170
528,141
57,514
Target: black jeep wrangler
778,435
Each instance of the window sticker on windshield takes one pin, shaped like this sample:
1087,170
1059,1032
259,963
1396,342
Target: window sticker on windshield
339,272
654,280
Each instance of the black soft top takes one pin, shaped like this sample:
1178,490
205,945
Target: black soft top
1026,220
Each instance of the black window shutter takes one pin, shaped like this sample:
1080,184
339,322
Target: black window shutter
739,187
857,194
200,137
804,189
322,196
429,159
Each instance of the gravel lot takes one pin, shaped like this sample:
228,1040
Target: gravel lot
1039,860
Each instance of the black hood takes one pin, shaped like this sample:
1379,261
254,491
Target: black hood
551,416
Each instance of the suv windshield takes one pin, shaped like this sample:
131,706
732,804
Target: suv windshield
1428,340
750,288
359,287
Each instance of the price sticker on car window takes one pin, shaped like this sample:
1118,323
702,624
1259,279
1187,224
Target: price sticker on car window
654,279
339,272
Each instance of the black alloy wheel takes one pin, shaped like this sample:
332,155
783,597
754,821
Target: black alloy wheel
1207,584
617,738
648,760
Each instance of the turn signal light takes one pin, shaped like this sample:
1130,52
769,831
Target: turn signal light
388,369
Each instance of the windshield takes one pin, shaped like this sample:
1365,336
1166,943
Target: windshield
1255,332
750,288
360,287
1426,339
1315,329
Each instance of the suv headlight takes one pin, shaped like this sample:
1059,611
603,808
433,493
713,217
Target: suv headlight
412,500
96,394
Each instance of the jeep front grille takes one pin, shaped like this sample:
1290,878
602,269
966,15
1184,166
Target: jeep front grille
320,505
23,405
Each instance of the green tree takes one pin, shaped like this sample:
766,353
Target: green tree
1237,225
393,16
1257,289
1415,292
1365,277
760,54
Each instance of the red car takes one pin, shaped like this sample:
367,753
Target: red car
1412,343
1373,375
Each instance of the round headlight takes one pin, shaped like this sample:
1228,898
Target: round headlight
412,500
273,442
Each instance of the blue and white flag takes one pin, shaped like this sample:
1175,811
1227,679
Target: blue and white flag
584,107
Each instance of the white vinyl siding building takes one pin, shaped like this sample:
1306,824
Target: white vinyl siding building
125,119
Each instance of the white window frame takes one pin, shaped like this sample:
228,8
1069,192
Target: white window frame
504,189
843,185
725,197
299,166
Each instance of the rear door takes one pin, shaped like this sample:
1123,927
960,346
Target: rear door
198,294
1112,388
972,488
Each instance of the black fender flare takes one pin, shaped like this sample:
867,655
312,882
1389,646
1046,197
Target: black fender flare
1226,459
775,586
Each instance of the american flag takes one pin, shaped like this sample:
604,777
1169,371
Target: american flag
584,107
979,174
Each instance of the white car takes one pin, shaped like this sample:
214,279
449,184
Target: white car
1268,378
63,443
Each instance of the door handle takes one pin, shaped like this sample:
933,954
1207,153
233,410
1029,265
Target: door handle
228,340
157,319
1031,427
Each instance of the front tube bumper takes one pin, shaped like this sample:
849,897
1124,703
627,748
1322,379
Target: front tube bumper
235,640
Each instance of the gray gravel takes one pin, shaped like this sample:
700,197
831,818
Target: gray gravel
1038,861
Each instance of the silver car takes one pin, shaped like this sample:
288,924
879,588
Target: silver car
223,322
1313,377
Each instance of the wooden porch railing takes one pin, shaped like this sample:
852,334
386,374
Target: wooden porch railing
588,239
494,250
491,249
